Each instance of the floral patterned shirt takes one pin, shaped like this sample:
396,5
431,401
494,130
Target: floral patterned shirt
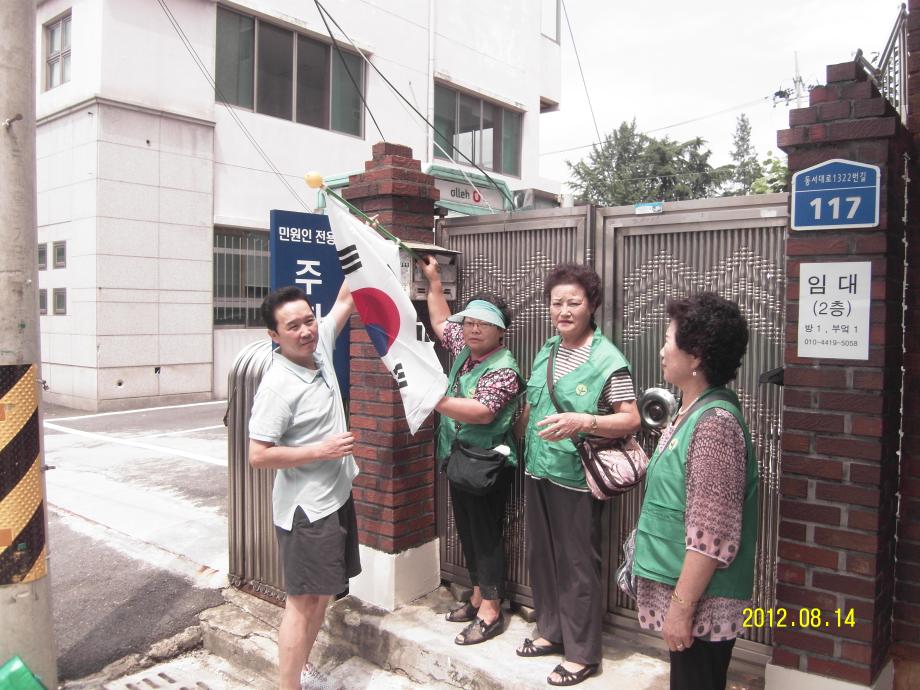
494,389
715,479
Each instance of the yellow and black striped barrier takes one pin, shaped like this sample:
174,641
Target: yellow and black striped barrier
22,519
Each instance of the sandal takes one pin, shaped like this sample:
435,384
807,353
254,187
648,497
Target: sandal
530,649
463,613
567,677
480,631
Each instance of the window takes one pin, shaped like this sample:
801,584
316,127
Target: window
42,256
59,295
42,301
281,73
486,133
549,19
60,254
241,277
57,47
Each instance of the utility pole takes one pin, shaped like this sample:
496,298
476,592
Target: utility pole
25,588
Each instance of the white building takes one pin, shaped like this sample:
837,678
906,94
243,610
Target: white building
153,204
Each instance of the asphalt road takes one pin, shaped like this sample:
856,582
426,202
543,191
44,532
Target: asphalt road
137,507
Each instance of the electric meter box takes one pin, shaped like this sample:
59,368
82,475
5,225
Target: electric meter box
414,281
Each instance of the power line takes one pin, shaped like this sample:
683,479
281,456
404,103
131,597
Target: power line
757,101
213,83
411,105
354,83
584,83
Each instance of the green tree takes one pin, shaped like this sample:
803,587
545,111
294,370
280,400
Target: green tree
744,157
774,177
629,167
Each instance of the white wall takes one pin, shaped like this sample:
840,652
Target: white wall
136,164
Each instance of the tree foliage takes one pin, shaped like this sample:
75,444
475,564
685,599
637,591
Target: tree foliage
629,167
744,157
774,177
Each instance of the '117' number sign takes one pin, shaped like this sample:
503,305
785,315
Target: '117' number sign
837,194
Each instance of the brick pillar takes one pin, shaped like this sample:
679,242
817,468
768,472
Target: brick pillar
394,494
907,587
841,417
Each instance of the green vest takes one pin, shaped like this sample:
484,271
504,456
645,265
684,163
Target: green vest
498,431
660,532
578,391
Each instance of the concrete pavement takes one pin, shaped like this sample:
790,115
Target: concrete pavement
137,508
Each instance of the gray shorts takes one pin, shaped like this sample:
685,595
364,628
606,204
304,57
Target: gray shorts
319,557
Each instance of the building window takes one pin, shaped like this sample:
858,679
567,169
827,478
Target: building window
484,132
549,19
57,59
60,254
43,301
42,256
59,295
241,277
281,73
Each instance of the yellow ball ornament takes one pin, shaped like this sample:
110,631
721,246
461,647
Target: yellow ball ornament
314,180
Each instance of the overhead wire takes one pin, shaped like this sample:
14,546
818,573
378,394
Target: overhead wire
410,104
222,99
584,83
756,101
354,83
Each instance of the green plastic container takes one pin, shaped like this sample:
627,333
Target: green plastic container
15,675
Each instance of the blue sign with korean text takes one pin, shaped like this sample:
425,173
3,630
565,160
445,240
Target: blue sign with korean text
302,253
836,194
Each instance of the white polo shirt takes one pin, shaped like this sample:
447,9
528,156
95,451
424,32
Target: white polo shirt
295,406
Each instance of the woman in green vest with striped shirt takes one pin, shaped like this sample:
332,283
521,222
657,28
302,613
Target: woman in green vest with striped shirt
478,409
697,530
591,381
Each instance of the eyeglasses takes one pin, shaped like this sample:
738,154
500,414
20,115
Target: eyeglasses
481,325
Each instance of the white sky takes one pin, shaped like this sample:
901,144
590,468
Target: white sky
673,60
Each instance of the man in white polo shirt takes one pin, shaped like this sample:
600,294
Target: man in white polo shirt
298,428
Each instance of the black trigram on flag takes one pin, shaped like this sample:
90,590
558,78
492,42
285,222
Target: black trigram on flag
349,259
400,376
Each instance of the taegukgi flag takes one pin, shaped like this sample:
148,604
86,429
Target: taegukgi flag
371,266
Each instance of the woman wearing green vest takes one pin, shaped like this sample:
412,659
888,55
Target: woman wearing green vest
478,409
591,381
697,530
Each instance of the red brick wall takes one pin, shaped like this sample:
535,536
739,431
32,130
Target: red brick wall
841,418
394,494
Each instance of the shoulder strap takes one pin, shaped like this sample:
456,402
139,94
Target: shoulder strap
714,395
549,379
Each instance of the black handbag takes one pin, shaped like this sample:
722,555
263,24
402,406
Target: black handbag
474,470
612,466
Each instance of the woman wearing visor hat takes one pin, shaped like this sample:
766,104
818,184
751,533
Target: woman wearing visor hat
478,409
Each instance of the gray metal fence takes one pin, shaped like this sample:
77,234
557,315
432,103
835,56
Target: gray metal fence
254,562
510,254
734,246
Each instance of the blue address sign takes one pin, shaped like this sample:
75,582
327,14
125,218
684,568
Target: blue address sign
836,194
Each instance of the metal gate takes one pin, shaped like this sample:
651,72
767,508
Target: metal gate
734,246
509,254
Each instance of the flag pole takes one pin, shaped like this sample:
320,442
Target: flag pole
316,181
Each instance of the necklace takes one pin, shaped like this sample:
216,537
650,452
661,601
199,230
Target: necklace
684,408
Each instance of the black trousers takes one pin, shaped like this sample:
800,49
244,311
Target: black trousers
480,522
704,666
564,556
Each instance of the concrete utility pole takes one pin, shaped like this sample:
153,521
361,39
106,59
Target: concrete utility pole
25,588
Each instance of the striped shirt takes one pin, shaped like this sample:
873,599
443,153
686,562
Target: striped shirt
619,387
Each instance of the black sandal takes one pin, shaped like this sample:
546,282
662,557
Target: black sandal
480,631
529,649
463,613
567,677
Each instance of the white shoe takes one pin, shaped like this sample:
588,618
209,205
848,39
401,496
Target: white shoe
311,678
